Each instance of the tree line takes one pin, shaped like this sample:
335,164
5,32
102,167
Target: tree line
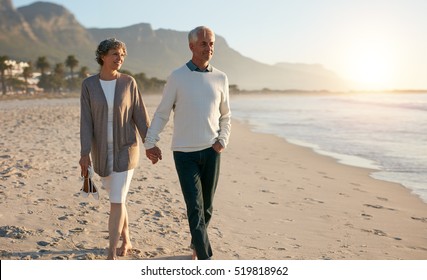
55,78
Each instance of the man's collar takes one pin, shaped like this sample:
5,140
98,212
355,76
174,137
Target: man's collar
193,67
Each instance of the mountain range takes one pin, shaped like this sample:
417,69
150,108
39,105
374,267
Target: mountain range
47,29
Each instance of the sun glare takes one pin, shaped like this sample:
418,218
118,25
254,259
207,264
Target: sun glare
370,65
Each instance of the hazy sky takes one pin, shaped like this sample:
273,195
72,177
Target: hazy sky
380,43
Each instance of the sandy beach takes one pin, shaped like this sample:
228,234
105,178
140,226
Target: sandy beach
274,200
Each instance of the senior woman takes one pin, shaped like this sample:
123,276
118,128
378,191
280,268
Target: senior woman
112,115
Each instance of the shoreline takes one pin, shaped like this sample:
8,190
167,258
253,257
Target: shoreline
342,159
391,148
275,200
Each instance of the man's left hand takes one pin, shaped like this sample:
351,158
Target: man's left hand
218,147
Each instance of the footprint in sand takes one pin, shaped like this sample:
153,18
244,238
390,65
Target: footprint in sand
16,232
76,230
376,232
267,191
357,189
381,233
158,214
366,216
313,200
423,219
83,222
279,248
151,254
217,232
378,207
296,246
43,243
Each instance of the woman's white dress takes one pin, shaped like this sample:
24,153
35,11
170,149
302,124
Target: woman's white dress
117,183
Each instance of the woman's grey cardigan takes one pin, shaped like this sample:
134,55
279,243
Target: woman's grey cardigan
130,115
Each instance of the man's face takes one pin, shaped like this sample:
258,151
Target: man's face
203,49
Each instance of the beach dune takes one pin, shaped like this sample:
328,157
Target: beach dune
275,200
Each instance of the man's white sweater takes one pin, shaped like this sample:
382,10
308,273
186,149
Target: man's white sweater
200,101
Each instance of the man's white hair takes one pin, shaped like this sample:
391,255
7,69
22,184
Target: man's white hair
193,34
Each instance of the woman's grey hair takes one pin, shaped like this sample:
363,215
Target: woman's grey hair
106,45
193,34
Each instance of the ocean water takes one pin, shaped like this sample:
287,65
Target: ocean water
386,132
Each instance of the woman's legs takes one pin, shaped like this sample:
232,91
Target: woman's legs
126,245
115,227
118,225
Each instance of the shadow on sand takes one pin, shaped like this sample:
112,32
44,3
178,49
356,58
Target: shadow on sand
80,254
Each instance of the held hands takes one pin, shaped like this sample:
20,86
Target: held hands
154,154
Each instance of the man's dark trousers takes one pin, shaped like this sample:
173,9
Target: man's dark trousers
198,174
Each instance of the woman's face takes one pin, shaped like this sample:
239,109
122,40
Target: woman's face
114,59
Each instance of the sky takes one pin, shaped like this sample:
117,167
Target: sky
380,44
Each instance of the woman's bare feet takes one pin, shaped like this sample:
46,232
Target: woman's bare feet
112,256
124,249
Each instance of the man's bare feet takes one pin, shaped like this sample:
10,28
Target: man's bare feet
194,256
124,249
